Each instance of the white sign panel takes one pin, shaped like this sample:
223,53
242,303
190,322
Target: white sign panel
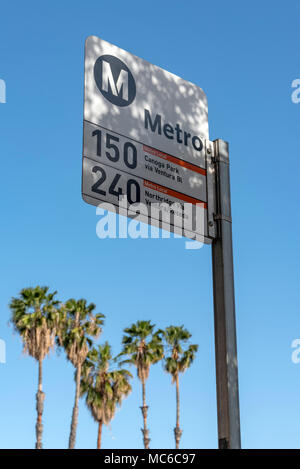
142,124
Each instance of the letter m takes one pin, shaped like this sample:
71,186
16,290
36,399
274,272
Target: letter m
116,87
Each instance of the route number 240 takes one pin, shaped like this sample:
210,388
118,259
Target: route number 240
133,190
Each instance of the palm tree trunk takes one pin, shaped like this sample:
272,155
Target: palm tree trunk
144,410
74,421
177,431
40,396
99,434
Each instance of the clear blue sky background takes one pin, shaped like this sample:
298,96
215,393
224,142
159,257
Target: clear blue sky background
245,56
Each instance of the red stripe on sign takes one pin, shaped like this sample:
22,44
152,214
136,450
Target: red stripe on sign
178,195
175,160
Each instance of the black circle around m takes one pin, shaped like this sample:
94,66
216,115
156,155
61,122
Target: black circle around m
114,80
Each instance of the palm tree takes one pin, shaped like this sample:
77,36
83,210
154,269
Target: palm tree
36,318
178,360
79,326
104,389
144,348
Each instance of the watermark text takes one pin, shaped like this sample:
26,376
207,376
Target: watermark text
2,91
155,221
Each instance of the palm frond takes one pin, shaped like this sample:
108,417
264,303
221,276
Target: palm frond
35,317
104,387
180,354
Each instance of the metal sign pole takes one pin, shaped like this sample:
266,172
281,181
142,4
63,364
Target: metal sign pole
224,308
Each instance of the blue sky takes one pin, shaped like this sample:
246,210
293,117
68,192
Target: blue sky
245,57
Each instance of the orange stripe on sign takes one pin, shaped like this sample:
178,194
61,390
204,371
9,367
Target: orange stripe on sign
177,195
175,160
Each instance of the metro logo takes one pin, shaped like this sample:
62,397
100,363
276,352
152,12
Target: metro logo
114,80
108,80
